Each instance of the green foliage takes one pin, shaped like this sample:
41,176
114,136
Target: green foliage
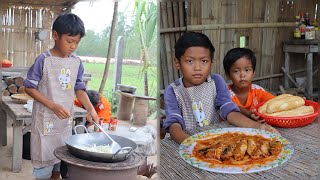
96,44
131,75
145,29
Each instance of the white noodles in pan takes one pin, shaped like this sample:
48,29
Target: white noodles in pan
94,148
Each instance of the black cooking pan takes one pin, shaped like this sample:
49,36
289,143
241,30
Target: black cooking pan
75,144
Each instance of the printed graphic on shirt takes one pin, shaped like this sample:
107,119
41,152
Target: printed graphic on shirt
199,114
64,79
48,127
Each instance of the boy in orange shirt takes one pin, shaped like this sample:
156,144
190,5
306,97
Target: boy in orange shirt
100,104
239,65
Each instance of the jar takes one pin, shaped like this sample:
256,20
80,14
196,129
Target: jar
297,34
317,32
310,32
95,128
113,124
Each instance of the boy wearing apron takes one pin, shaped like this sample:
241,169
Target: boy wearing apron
53,81
198,98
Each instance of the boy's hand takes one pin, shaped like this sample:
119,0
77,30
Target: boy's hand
267,127
257,118
92,115
254,117
60,111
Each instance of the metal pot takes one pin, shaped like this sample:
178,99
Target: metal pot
75,142
126,88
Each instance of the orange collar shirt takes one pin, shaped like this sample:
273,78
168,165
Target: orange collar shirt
256,95
103,108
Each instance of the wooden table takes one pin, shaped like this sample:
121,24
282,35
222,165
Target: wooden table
301,46
20,116
303,164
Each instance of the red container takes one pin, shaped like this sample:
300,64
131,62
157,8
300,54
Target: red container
113,124
96,129
291,122
6,65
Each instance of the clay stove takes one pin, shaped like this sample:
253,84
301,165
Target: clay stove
79,169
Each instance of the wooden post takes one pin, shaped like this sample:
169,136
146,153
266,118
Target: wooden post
117,71
141,110
309,75
17,145
3,122
125,106
118,62
286,66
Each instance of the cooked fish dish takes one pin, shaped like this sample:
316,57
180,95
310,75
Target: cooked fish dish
237,149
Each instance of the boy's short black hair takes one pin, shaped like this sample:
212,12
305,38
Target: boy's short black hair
236,53
94,97
69,24
192,39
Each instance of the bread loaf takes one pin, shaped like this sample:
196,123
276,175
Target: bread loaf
285,104
263,109
300,111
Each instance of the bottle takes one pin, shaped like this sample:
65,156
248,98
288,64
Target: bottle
113,124
307,20
297,33
302,26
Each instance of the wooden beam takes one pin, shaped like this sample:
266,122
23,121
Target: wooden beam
227,26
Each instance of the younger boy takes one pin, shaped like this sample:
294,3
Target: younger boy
100,104
240,65
193,100
53,81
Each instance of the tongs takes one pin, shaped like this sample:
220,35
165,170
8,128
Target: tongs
115,147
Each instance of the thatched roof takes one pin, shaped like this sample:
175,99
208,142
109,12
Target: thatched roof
60,4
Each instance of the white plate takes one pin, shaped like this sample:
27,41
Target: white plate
186,147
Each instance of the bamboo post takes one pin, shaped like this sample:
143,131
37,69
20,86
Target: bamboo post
168,58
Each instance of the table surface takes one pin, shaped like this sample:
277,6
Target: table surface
19,112
303,164
303,41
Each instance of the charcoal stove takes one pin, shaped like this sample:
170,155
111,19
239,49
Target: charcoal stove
79,169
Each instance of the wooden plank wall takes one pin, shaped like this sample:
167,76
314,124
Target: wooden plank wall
18,25
265,42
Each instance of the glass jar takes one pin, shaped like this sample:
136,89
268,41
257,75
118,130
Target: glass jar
310,32
317,32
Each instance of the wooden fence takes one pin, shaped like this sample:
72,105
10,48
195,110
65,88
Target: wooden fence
265,24
18,25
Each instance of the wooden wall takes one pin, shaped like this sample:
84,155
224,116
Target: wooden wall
18,25
265,23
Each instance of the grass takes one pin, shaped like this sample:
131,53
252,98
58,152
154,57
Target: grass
131,75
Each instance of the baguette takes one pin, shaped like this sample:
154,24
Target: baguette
284,104
263,109
300,111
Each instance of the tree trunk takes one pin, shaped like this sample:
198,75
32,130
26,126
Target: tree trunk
106,69
146,87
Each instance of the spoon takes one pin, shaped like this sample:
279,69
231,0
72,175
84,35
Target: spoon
115,147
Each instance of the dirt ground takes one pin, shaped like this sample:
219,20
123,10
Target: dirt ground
26,171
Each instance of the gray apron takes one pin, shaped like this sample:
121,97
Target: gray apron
205,93
48,132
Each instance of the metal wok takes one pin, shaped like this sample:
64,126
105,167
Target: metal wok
75,142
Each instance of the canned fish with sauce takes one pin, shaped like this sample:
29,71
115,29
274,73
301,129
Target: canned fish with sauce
96,129
113,124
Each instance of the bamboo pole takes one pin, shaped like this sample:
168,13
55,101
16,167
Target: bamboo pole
106,70
227,26
166,41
